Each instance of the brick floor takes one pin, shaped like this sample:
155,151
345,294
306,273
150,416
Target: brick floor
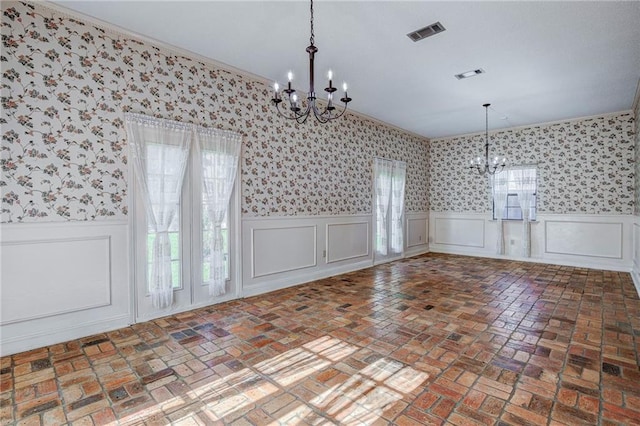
436,339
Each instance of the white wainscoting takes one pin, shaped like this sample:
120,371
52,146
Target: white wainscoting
592,241
417,234
286,249
454,231
279,252
62,281
347,240
635,273
578,237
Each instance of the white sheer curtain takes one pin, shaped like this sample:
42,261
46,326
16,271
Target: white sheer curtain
160,150
398,180
382,172
500,187
219,152
525,186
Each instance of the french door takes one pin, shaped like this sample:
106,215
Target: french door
388,189
188,233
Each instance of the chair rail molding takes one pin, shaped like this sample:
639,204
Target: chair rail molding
581,240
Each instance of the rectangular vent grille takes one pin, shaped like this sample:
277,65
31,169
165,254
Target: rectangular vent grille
425,32
468,74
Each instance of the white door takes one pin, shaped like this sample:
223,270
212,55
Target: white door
188,253
388,190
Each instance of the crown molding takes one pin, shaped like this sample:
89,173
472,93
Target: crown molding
529,126
115,29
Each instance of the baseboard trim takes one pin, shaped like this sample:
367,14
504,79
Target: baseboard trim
579,264
635,276
280,283
186,308
417,251
26,342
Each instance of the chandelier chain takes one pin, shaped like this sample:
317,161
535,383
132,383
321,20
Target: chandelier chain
312,38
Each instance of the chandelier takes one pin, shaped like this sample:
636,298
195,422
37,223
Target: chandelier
484,167
299,111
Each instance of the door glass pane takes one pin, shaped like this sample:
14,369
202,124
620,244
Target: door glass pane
174,241
207,234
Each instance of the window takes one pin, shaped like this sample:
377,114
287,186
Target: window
192,199
389,183
185,177
520,184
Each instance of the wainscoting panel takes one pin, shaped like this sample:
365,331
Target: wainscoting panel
596,239
347,241
635,273
465,232
416,233
591,241
57,284
62,281
278,250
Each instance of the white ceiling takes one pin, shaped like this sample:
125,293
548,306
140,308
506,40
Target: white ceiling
544,61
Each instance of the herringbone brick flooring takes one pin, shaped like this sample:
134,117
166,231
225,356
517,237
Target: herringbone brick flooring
436,339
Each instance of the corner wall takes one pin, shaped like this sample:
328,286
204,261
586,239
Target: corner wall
67,82
585,193
636,226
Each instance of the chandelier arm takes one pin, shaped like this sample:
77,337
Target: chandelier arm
289,116
320,116
327,115
306,113
282,114
344,109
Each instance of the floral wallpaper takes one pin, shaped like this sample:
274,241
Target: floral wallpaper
585,166
66,84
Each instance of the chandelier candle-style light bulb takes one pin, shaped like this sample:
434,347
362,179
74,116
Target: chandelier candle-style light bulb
496,165
300,112
294,103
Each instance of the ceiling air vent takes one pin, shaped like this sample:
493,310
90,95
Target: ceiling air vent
468,74
425,32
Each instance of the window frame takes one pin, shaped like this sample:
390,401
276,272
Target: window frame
533,208
190,239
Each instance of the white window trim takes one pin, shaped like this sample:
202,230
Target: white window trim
137,215
534,208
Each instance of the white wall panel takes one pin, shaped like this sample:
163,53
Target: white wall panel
467,232
62,281
596,239
416,232
584,240
46,277
347,241
635,272
277,250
